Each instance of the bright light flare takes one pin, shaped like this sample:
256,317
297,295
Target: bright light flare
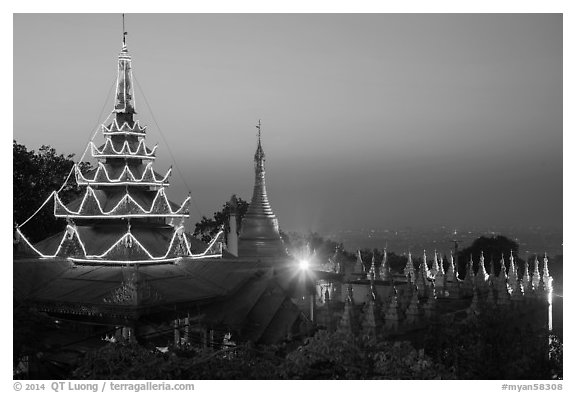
304,264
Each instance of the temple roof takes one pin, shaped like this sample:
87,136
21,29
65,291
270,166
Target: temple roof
240,295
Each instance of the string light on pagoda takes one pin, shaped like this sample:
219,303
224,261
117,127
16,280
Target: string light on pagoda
125,129
124,202
127,238
125,177
125,151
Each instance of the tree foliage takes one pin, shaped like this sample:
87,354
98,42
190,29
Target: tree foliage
493,248
35,176
494,345
207,228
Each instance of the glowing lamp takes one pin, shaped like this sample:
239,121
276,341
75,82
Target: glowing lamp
304,264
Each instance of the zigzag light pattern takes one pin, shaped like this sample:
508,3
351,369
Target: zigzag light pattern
125,129
125,151
112,213
126,174
72,231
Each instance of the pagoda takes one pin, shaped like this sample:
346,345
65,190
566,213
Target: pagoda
124,216
259,233
124,265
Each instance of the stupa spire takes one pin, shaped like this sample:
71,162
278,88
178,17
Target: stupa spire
409,269
124,99
259,234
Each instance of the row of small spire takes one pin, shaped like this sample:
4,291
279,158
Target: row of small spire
383,272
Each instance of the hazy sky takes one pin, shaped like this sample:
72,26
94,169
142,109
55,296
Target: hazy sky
369,120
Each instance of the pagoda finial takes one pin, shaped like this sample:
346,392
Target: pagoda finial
124,100
124,33
259,156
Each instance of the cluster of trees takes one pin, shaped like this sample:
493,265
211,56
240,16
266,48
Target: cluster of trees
207,228
35,175
490,347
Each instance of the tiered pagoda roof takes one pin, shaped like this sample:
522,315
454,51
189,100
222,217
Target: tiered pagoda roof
124,216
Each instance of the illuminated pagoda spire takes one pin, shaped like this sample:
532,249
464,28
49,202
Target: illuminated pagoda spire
372,271
385,273
546,274
259,233
536,273
124,216
481,276
359,265
452,272
435,268
424,265
409,270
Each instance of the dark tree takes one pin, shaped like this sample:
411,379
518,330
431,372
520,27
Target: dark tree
395,262
35,176
494,345
207,228
493,248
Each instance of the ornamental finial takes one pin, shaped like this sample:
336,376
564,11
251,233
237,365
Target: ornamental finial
124,34
259,156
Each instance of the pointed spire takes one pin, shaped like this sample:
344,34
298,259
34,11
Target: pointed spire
440,280
385,272
515,282
435,268
526,275
409,268
124,34
536,273
529,288
441,265
469,278
512,273
422,282
452,273
359,266
546,274
425,265
372,271
481,275
502,275
124,99
259,156
259,233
